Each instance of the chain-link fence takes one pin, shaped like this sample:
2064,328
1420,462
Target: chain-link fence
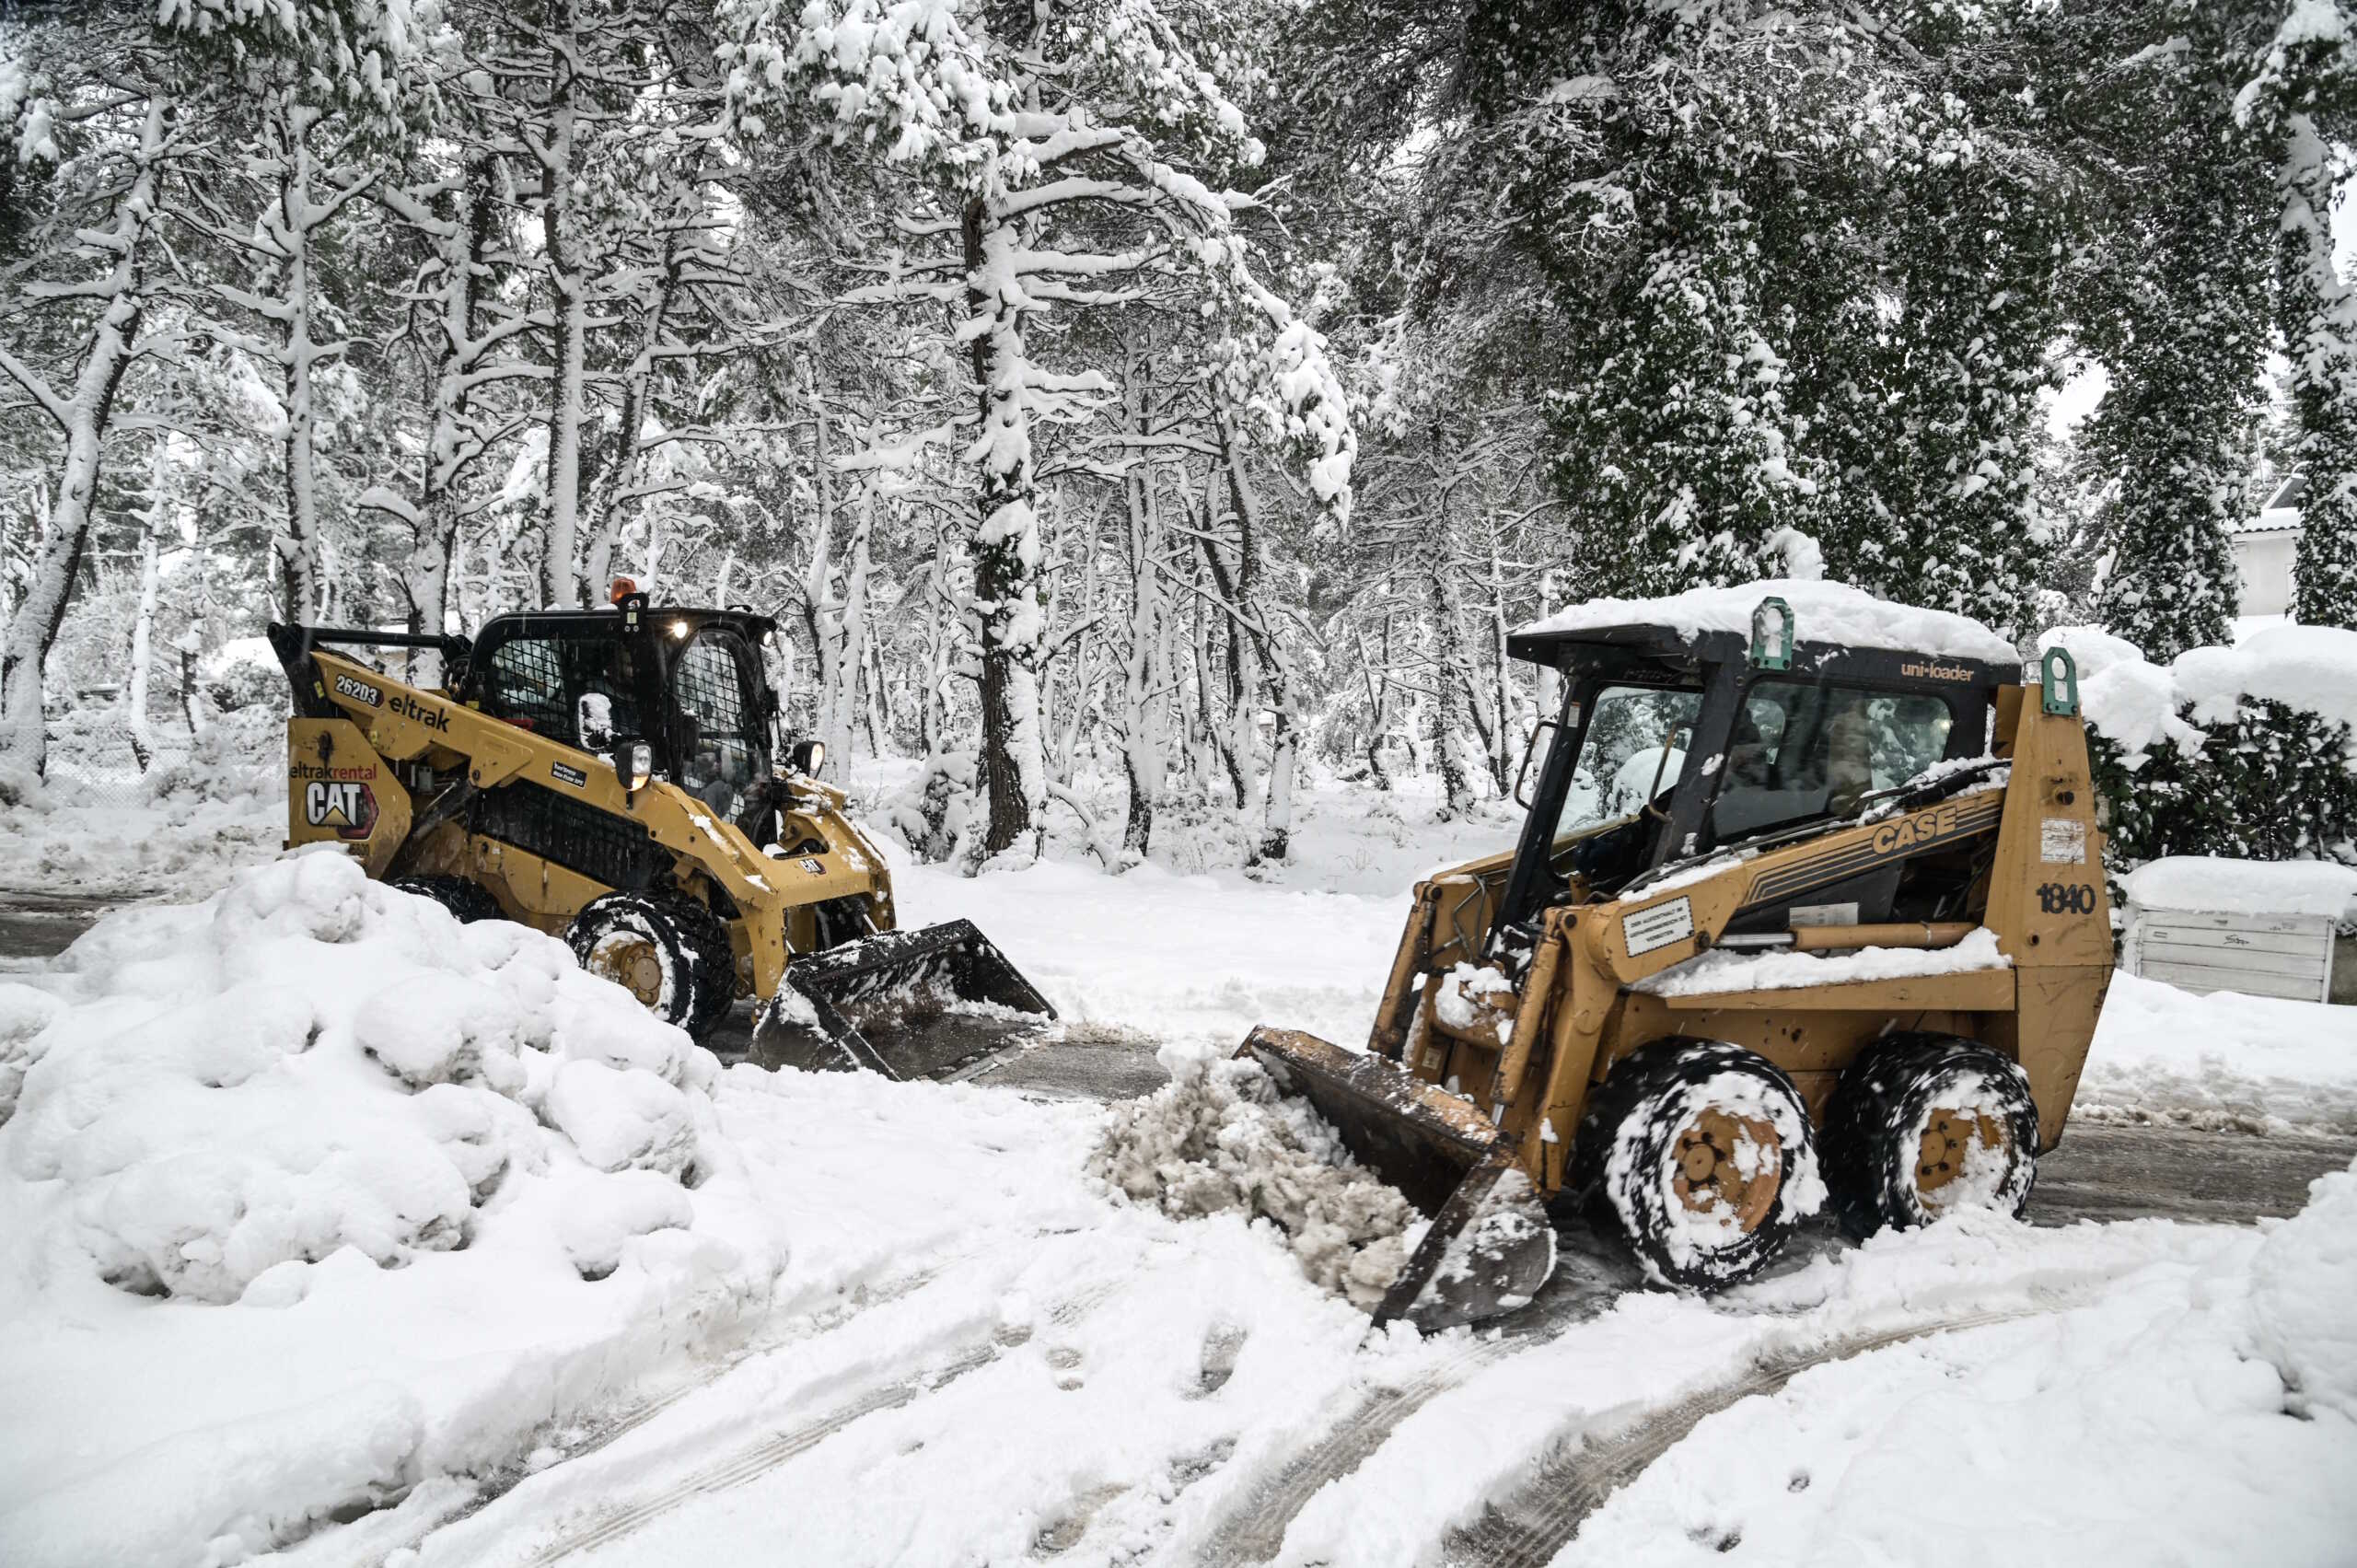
96,756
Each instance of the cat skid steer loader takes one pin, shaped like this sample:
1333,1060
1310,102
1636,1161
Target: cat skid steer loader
620,778
1791,919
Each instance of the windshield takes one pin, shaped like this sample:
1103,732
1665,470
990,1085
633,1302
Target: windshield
1634,750
722,748
1802,750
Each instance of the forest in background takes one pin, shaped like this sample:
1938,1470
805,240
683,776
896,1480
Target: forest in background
1173,393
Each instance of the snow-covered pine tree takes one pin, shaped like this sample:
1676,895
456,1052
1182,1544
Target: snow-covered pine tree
2173,295
2303,96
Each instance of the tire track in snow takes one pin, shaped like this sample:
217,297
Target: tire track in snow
1588,1283
751,1462
1529,1526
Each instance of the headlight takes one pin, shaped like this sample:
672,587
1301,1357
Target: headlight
806,758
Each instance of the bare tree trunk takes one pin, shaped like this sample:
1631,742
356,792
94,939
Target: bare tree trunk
1276,665
1448,658
462,240
1010,625
1143,759
301,563
143,623
569,287
1502,759
620,470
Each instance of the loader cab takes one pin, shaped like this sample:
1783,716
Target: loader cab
1671,744
689,683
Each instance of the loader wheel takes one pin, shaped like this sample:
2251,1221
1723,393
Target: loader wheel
471,902
1924,1125
1699,1153
668,950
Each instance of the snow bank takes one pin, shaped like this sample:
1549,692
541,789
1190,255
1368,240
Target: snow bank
2132,1428
1782,971
1822,613
2095,1394
2223,1060
2302,1282
2222,886
1220,1138
344,1175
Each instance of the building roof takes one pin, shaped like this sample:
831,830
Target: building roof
2282,513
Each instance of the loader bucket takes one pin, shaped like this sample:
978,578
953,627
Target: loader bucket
1489,1246
926,1004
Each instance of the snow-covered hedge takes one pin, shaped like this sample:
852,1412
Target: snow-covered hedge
315,1111
2247,752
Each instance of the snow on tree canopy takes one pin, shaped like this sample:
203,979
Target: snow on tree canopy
1822,613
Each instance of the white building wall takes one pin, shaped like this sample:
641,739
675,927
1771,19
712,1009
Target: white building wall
2264,562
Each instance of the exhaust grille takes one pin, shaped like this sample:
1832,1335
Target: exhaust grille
604,848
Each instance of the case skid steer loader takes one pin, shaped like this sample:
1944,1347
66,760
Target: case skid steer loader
1809,904
619,778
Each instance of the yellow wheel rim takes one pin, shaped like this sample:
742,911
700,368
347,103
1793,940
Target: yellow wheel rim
632,963
1714,1171
1950,1139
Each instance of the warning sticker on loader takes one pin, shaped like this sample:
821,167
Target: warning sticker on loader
1658,927
2062,841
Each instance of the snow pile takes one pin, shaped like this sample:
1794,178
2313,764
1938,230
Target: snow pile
2132,1428
310,1114
1727,969
2223,1060
1822,613
2218,884
2302,1282
2099,1394
2137,704
2129,699
1219,1137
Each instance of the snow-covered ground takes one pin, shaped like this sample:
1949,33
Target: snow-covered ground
461,1248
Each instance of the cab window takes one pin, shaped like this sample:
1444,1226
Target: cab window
1634,750
1802,751
720,737
536,683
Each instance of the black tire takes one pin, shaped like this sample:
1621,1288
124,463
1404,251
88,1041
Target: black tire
692,977
1626,1161
1904,1094
471,902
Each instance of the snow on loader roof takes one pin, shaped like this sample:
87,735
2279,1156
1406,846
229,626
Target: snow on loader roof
1822,613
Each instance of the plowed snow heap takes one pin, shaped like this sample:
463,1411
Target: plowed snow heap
217,1097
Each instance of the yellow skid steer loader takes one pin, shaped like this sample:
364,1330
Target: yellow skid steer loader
1793,919
620,778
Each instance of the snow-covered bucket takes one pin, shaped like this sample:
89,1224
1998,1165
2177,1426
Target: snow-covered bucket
2203,922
